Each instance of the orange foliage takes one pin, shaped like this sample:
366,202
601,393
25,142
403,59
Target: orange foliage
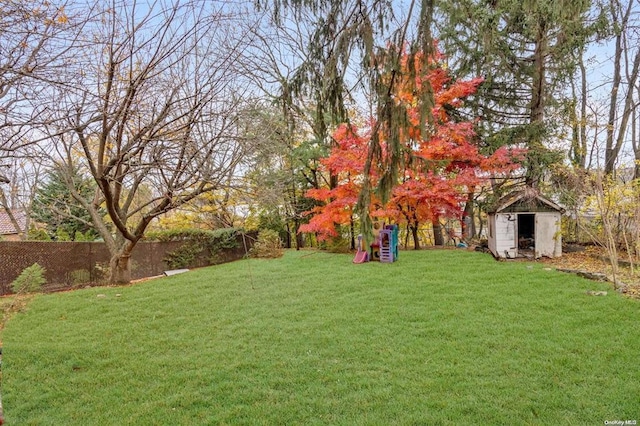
441,168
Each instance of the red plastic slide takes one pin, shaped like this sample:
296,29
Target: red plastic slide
361,257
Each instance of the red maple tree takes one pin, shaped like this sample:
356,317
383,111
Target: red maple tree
442,163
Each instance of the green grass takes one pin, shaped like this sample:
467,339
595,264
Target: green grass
440,337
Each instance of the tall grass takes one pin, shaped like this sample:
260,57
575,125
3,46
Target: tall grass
439,337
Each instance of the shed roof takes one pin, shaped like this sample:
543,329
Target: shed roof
526,200
6,226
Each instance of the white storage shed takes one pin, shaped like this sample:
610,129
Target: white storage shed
525,224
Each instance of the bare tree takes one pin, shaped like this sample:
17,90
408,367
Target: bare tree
150,115
35,37
626,63
288,114
635,135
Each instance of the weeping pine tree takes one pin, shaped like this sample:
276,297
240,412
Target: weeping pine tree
356,26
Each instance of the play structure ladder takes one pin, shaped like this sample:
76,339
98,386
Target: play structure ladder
386,249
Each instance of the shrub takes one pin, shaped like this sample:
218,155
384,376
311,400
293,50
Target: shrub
84,236
79,276
269,245
223,240
184,255
62,235
196,242
38,235
30,280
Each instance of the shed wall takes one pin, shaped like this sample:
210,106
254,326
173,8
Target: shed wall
492,233
548,235
505,235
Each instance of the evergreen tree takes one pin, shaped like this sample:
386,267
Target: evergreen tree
55,206
527,53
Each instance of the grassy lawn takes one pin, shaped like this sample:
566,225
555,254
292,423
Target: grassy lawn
440,337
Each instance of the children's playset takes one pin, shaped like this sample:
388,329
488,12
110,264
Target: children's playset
384,247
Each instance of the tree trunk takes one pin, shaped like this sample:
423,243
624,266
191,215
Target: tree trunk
287,243
438,238
416,239
299,241
627,113
635,134
468,226
299,236
352,231
610,152
578,114
406,236
538,93
120,269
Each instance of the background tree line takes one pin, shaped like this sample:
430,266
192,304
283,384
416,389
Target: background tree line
117,117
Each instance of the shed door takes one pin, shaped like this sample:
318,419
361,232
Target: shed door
546,229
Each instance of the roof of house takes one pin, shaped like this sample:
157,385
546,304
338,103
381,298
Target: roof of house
525,200
7,227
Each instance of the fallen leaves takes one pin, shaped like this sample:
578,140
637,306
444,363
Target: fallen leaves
593,261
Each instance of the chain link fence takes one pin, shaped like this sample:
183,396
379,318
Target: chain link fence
77,264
